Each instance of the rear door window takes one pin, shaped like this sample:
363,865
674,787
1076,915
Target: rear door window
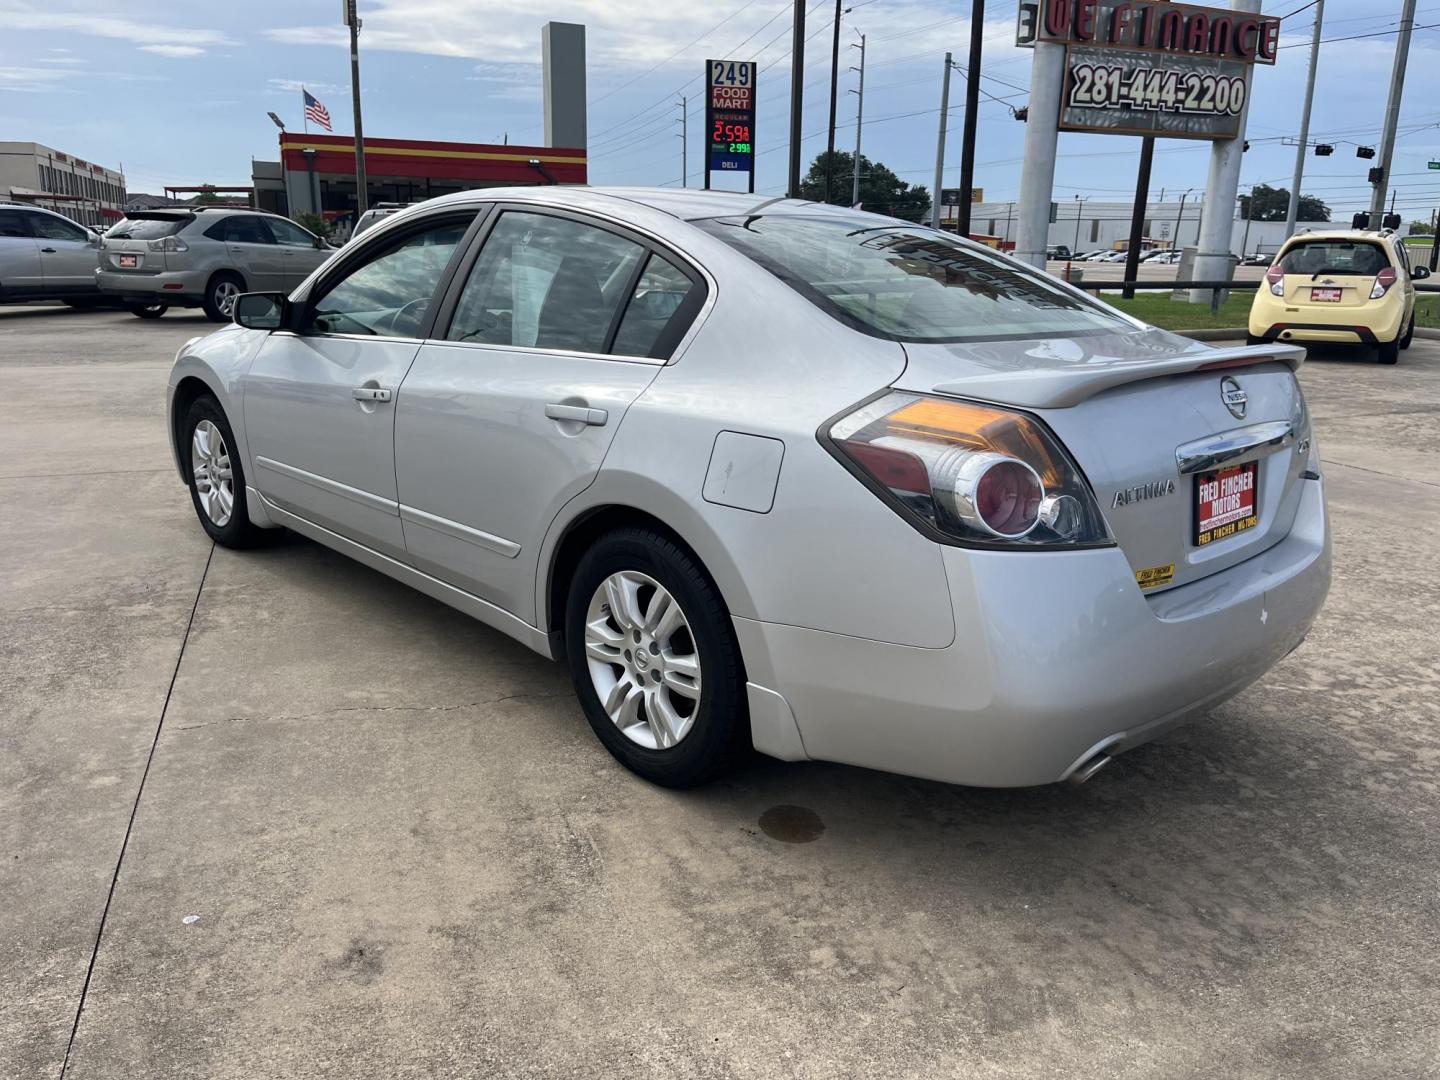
1356,258
660,309
899,281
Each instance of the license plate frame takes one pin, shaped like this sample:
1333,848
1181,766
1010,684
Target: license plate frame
1223,506
1326,295
128,262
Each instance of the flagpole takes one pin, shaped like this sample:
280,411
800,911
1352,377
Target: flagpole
304,113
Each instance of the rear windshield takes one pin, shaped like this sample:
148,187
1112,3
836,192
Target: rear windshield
147,228
907,283
1357,257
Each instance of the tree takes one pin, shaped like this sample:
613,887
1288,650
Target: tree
1273,203
315,223
881,191
1420,228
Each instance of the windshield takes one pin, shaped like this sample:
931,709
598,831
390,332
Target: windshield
147,228
909,283
1357,257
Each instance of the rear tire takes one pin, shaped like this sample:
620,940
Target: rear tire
148,311
1388,352
220,296
1409,334
215,475
673,747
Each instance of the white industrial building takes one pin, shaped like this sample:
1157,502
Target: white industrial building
43,176
1085,225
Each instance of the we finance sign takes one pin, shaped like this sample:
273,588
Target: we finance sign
1178,30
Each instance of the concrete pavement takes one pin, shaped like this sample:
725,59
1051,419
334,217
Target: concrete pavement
376,839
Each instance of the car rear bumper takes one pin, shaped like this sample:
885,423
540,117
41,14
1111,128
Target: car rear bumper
1273,319
176,287
1058,657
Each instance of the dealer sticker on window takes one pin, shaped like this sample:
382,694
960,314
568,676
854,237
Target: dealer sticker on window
1225,502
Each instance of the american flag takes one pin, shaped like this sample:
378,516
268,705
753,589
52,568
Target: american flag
315,112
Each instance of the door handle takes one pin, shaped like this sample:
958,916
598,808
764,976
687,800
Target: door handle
577,413
48,251
371,393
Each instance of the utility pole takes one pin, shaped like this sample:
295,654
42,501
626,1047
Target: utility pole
972,111
1392,112
1292,212
1179,217
859,122
1248,206
1037,178
684,144
1434,240
834,87
940,144
362,189
797,96
1137,214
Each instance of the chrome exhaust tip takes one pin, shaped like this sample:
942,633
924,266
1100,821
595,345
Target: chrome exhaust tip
1088,768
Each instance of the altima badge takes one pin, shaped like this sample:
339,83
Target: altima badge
1235,399
1141,492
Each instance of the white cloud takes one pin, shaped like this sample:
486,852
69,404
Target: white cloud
32,80
294,86
177,51
25,15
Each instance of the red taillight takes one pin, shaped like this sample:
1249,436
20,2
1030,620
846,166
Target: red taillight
896,469
1275,274
1383,280
1007,498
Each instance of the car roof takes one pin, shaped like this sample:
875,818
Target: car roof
686,204
1344,234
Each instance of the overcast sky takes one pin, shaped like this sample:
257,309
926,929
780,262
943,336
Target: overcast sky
177,92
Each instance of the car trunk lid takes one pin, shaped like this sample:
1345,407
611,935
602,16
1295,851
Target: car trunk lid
1155,422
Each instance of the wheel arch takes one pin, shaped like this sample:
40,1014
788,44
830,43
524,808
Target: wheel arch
568,541
184,394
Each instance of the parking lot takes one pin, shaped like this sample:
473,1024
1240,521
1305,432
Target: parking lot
364,836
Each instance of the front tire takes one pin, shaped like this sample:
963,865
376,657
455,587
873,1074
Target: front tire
654,659
215,475
220,296
148,311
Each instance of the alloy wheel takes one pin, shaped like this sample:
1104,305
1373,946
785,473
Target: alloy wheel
210,465
225,294
642,660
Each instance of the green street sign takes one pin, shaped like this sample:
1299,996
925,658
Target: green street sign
1435,164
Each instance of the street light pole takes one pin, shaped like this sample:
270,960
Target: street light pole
1293,210
834,88
684,144
940,145
362,188
1180,216
1392,112
797,96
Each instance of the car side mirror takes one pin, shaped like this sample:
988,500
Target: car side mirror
1419,272
260,311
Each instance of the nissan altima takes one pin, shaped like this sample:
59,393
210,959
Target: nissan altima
771,474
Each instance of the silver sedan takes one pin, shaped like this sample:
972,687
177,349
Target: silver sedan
777,475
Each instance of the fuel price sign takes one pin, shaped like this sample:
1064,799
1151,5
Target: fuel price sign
730,117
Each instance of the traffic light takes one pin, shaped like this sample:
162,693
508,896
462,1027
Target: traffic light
1390,221
1022,113
1376,175
1360,221
1246,148
1324,149
1364,151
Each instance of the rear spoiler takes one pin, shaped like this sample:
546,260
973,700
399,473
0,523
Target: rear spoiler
1062,387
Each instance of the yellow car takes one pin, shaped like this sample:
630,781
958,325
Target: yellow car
1347,287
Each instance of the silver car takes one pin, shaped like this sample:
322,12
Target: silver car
771,474
204,257
45,256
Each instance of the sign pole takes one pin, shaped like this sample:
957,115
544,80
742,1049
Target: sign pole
834,88
1137,215
362,188
1392,112
1042,132
972,110
1293,210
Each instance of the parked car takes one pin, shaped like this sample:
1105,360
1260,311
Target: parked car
1160,257
987,530
376,214
1258,259
1109,257
46,256
1348,286
1059,251
204,257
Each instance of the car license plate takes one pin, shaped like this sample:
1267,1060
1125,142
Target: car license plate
1328,296
1225,502
129,262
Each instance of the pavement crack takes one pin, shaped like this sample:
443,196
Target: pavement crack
134,810
1377,472
374,709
